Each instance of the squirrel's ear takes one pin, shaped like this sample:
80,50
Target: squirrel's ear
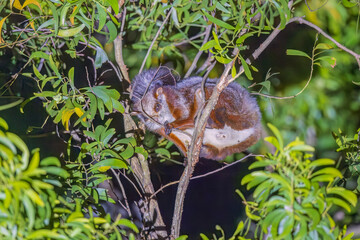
159,91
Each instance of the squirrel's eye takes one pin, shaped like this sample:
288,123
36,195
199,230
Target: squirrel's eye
157,107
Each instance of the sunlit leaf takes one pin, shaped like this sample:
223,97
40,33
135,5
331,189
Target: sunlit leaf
71,32
111,162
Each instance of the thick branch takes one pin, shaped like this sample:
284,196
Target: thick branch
118,49
194,150
139,164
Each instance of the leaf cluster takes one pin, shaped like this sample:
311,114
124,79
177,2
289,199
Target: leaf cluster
293,195
30,206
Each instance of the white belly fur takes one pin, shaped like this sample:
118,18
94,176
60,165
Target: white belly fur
221,138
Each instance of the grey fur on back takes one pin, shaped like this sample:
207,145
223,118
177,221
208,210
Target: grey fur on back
149,79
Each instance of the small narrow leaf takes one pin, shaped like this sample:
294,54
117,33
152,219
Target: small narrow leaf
218,22
293,52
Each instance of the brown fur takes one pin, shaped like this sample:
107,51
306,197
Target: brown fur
235,112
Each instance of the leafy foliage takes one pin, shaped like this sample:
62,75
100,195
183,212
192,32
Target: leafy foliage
350,147
51,40
30,207
292,195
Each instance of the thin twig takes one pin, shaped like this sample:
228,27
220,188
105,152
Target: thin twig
117,176
307,82
190,39
205,174
322,32
132,183
154,40
198,55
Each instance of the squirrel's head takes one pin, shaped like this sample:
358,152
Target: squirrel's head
149,99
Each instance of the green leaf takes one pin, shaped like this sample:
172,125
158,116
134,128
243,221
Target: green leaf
57,171
114,5
240,194
142,151
328,59
38,55
209,44
233,71
127,223
339,202
262,163
269,219
294,52
349,3
277,135
321,162
328,171
71,32
100,57
117,106
250,215
12,104
239,228
63,13
182,237
282,15
246,68
3,124
55,16
222,8
44,234
323,46
128,152
30,211
222,59
274,141
50,161
216,39
163,151
346,194
314,215
34,196
19,143
34,163
101,108
112,31
286,225
218,22
101,16
203,236
111,162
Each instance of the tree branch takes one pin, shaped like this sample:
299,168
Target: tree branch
153,41
206,174
322,32
194,150
118,49
198,55
138,163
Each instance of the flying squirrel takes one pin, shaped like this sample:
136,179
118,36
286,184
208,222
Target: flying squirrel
169,107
